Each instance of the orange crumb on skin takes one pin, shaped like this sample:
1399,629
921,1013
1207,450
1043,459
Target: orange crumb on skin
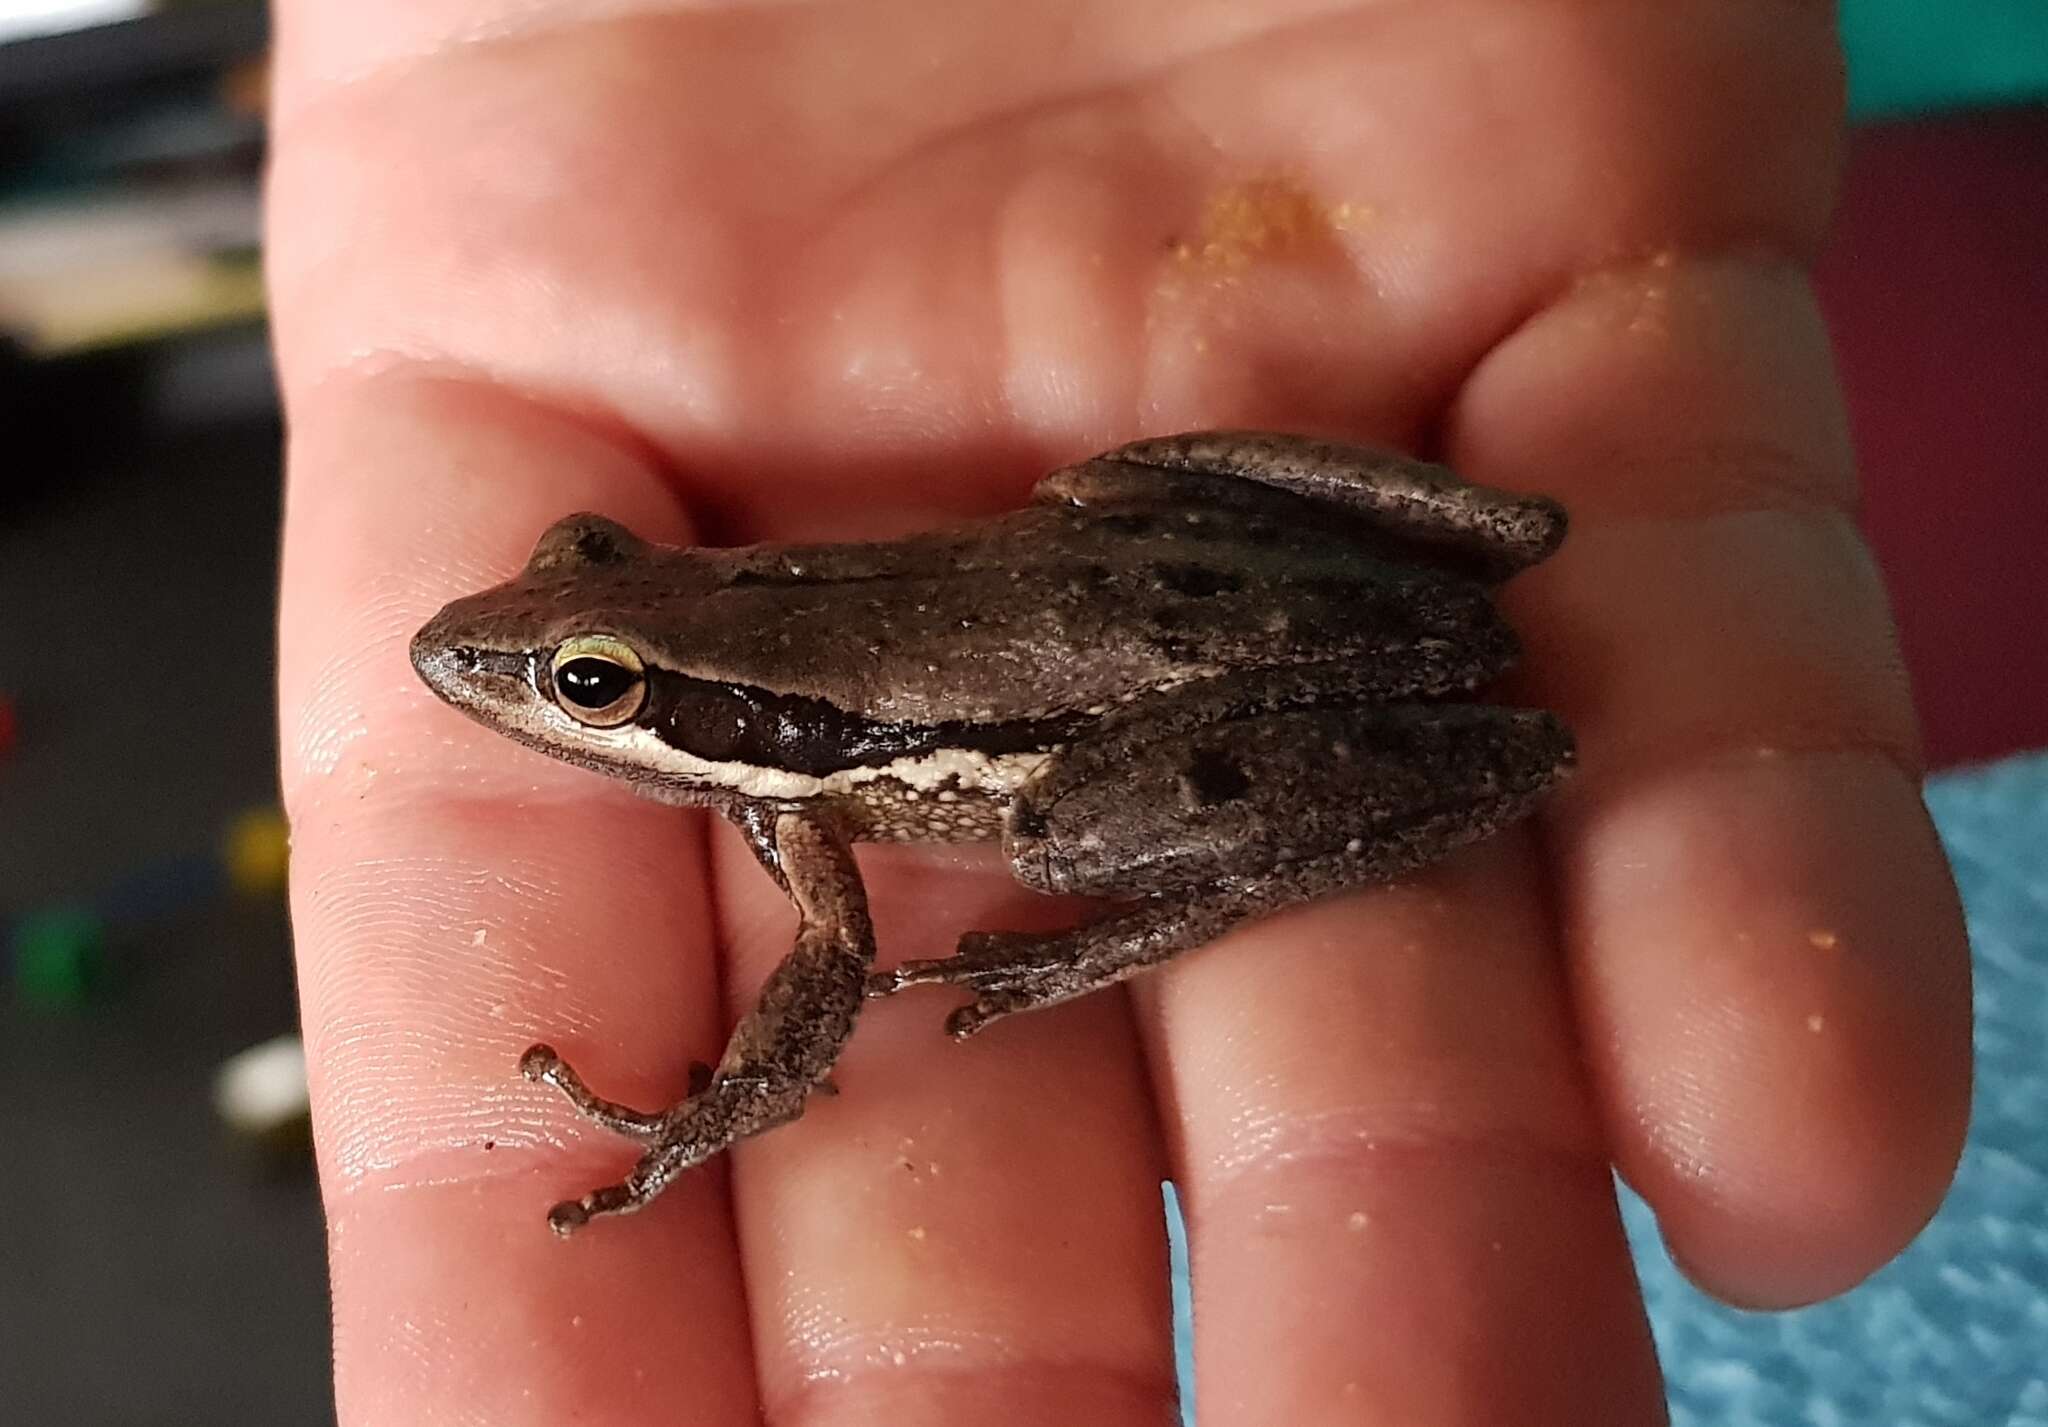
1655,297
1256,247
1266,218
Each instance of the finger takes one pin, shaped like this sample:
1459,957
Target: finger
1769,962
1399,1203
454,900
1483,1134
968,1229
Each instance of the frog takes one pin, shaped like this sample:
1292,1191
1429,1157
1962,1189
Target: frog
1201,677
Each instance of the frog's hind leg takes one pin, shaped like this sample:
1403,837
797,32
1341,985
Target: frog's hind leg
1211,826
1434,514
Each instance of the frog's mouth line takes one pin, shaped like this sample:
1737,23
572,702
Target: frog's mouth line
459,674
493,662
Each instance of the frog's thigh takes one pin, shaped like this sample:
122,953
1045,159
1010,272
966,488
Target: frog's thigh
1362,793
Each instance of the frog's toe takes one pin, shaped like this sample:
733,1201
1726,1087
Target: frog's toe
570,1215
567,1217
986,961
888,983
993,950
1007,971
977,955
984,1011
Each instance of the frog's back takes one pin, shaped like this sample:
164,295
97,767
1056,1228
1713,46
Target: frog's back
1056,610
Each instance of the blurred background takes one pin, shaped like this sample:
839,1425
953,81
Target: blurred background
163,1260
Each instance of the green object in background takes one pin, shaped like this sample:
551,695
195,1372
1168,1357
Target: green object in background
60,957
1922,56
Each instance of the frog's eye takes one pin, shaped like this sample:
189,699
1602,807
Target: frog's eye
599,680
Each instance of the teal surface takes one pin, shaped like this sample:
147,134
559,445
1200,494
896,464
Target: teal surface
1924,56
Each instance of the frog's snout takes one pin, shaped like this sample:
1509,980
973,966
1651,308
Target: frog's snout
456,665
440,664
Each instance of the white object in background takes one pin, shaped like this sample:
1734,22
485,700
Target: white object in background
264,1087
20,19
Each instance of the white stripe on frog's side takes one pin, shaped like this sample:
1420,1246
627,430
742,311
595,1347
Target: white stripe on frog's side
942,768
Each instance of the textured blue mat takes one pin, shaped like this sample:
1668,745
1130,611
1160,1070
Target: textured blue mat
1955,1332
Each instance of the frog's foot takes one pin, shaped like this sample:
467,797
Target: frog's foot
541,1065
982,959
778,1054
720,1111
1023,971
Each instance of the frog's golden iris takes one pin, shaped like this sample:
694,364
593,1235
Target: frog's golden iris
599,680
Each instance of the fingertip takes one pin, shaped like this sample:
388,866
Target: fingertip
1813,1205
1774,981
1783,1250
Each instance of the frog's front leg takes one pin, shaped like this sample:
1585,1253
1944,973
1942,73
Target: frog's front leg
780,1052
1211,825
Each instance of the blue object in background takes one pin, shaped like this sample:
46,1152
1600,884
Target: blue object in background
1954,1333
1183,1304
1922,56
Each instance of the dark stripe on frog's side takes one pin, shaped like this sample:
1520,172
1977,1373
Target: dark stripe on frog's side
733,723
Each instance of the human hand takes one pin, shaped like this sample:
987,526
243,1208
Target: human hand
758,271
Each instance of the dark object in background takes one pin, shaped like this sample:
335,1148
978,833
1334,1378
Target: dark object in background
160,1269
130,284
170,1272
76,419
71,94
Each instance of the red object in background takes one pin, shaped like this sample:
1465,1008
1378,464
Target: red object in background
6,725
1936,287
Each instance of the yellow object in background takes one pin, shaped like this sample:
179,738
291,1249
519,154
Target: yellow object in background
257,851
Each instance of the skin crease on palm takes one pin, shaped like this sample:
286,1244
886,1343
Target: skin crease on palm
751,271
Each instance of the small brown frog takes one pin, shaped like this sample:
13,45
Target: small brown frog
1208,675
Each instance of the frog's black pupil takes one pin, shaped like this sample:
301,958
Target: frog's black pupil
594,683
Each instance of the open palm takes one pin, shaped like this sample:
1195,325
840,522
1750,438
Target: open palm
746,271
